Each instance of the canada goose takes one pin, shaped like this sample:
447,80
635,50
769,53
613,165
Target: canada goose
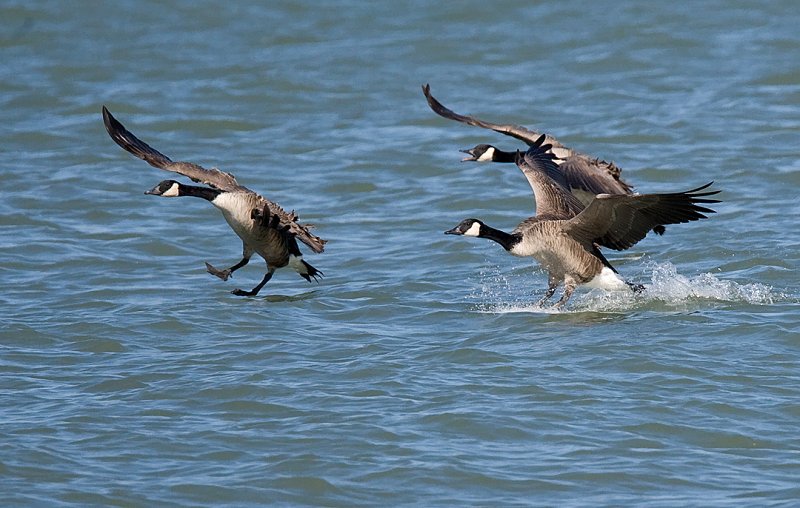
264,227
582,175
566,243
585,176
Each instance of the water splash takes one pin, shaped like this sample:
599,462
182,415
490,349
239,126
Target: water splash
667,290
668,285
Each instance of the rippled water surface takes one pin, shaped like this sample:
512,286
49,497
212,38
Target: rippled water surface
418,371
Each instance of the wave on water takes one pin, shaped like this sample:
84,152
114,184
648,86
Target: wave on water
667,290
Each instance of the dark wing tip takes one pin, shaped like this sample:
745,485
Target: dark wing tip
116,130
434,104
540,149
442,110
702,197
703,209
107,116
696,192
130,143
113,125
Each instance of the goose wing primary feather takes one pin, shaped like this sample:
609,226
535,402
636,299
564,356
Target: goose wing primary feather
620,221
516,131
124,138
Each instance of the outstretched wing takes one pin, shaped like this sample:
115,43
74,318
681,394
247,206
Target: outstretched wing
553,200
620,221
516,131
124,138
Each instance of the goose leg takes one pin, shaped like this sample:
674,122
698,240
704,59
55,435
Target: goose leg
569,287
552,284
255,290
550,292
247,253
224,274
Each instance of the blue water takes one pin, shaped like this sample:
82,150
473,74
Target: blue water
418,371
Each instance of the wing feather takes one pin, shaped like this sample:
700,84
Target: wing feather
516,131
552,197
287,222
593,175
124,138
619,221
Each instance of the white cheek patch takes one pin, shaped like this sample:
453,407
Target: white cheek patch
486,156
474,230
172,192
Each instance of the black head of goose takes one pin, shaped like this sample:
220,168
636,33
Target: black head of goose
263,226
487,153
564,238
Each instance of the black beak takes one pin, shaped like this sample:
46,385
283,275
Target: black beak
470,158
453,231
154,190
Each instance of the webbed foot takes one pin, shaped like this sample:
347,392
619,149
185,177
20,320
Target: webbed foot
222,274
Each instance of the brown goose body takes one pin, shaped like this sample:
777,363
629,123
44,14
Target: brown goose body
566,242
263,226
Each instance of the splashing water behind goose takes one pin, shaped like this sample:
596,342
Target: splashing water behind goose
667,291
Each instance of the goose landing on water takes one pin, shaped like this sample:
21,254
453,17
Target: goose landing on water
582,175
263,226
566,243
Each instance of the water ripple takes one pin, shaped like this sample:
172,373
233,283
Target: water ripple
418,371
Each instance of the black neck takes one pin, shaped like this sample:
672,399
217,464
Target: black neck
503,156
507,240
198,192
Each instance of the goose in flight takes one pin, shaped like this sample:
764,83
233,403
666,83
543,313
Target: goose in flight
585,176
564,237
263,226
